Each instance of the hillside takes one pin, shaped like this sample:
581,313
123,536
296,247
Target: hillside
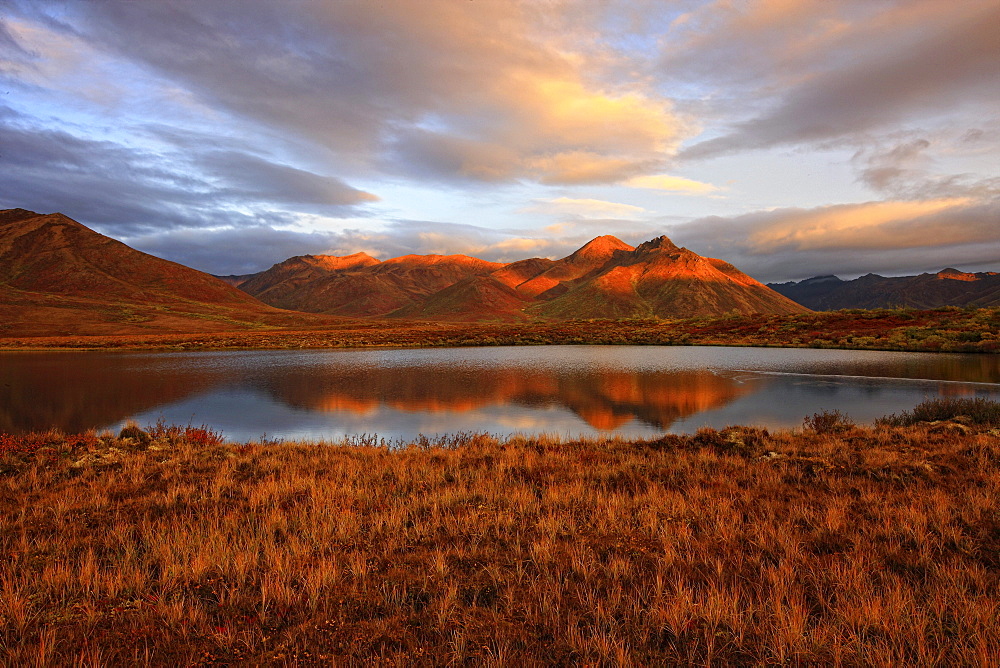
606,278
948,287
659,279
60,277
359,285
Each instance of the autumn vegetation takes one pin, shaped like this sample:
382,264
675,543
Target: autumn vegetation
830,544
946,329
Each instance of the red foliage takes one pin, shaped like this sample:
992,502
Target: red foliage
23,443
202,436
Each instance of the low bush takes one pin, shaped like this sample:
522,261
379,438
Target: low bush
978,410
828,422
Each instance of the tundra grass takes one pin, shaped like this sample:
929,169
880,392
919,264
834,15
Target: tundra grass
833,544
947,329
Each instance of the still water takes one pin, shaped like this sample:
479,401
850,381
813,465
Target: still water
565,390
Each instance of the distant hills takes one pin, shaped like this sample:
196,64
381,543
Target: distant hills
606,278
948,287
60,277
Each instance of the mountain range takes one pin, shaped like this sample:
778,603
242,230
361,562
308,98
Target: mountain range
948,287
59,277
606,278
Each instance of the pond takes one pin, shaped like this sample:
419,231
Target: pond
632,391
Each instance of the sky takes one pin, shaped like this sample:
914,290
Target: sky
793,138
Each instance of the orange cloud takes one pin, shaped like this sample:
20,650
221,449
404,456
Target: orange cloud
585,208
869,225
579,167
673,183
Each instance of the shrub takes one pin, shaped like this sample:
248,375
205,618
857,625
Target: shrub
979,411
828,422
734,440
133,431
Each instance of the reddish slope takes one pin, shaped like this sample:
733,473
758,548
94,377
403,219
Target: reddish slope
55,254
606,278
474,299
60,277
659,279
591,257
281,284
370,288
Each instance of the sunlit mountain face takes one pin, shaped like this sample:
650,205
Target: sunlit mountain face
605,278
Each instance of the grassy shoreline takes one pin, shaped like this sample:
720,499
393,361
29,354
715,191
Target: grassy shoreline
833,544
947,329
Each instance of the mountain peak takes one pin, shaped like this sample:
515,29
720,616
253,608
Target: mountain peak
659,243
956,275
602,246
338,262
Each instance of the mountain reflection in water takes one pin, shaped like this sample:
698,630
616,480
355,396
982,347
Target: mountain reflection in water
632,391
604,399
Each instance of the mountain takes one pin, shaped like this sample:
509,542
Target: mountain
948,287
659,279
361,286
606,278
279,285
472,299
60,277
555,279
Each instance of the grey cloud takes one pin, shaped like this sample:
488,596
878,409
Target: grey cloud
955,61
443,157
133,190
252,178
234,250
884,169
332,72
10,46
904,171
50,170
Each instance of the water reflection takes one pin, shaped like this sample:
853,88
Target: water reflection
75,392
603,399
569,390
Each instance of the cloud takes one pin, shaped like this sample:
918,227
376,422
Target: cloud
245,249
583,167
250,177
672,183
846,239
904,169
111,185
908,61
447,99
584,208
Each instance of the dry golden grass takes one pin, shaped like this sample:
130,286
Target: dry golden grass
855,546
